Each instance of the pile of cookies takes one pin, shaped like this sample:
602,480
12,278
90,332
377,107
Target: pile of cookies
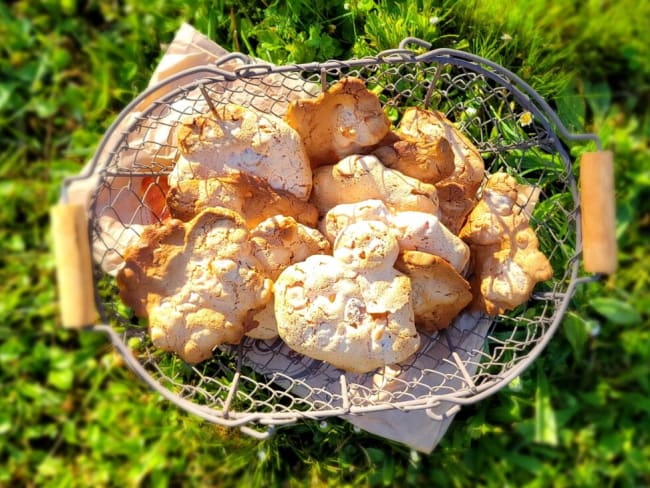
331,229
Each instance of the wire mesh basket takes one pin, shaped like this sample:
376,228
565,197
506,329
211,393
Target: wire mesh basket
259,384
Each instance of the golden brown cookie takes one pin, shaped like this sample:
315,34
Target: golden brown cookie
232,138
506,261
458,191
346,119
427,157
438,293
197,282
358,178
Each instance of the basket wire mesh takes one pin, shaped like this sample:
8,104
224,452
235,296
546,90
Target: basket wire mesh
263,383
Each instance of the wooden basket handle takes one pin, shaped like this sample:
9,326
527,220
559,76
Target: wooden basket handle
73,265
598,212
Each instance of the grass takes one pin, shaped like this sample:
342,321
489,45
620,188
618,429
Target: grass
72,414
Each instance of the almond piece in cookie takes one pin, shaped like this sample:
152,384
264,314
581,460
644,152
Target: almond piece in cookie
346,119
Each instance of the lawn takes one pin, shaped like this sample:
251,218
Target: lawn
71,414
